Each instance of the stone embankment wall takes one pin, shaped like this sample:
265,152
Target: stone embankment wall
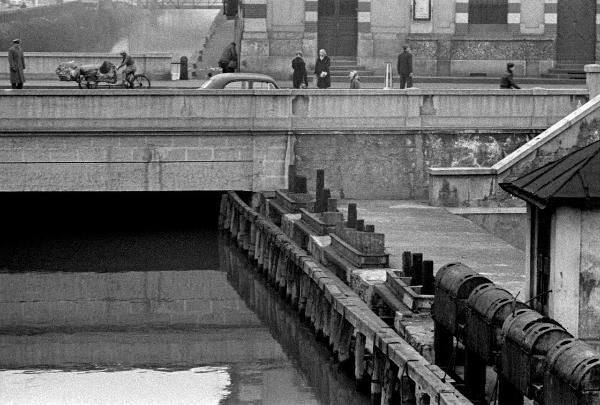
333,308
372,143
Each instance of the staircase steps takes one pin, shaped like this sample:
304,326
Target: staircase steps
566,71
341,66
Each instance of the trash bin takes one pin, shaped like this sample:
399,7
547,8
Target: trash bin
183,68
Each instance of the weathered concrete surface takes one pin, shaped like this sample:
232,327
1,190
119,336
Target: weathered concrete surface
469,186
589,307
142,162
443,238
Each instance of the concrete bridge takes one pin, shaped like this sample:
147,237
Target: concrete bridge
372,143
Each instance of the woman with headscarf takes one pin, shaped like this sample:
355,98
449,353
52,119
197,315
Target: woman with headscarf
322,70
299,77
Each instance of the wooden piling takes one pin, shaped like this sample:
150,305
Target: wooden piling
360,225
359,359
378,363
389,378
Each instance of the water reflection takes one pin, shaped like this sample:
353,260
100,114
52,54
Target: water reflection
192,336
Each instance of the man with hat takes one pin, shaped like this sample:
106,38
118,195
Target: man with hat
16,62
506,81
405,67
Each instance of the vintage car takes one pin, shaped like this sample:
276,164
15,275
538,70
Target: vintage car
253,81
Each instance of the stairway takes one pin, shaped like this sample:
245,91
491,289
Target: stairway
566,71
220,35
341,66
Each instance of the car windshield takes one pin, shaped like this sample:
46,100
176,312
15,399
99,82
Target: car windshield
206,83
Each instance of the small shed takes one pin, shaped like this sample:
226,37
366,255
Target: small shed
563,241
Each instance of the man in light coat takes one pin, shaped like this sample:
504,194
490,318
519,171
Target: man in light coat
16,63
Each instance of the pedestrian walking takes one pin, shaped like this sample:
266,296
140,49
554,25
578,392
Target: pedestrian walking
229,59
322,70
405,68
300,76
507,81
354,80
16,62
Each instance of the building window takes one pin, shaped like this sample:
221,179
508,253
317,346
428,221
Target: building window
488,11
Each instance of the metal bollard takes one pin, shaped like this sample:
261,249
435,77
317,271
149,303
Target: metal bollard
388,76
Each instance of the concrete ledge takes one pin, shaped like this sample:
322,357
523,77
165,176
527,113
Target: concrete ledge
42,65
487,210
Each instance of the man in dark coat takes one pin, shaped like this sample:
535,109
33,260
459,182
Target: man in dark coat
322,70
229,59
506,81
299,77
16,62
405,69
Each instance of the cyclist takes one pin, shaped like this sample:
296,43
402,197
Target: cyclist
129,64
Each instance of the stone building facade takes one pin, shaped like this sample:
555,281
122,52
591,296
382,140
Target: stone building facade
447,37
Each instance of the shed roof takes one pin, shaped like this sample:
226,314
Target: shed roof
572,180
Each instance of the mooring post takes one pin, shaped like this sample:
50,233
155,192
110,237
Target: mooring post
417,269
376,376
300,184
291,178
325,196
320,185
427,277
407,264
369,228
360,225
332,205
475,376
352,215
359,359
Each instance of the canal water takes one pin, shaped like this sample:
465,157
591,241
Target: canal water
141,311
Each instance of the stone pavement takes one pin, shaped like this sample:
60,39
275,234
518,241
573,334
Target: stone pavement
443,238
467,83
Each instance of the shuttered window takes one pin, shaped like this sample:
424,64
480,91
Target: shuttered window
488,11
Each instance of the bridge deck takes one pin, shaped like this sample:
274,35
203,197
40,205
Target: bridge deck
443,238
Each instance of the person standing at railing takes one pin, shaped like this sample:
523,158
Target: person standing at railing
322,65
299,77
507,81
16,62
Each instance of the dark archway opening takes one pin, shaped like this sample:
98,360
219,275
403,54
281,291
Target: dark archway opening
126,231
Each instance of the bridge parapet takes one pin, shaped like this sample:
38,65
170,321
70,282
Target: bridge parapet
176,139
284,110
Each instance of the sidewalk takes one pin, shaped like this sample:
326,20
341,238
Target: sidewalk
442,237
420,82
